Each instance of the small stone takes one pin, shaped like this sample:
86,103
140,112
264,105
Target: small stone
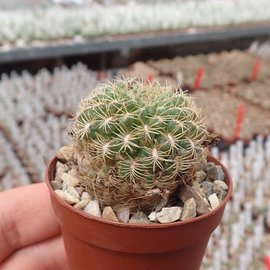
200,176
109,214
85,195
213,171
155,197
206,202
72,172
123,214
79,190
214,201
153,216
82,204
161,204
219,185
186,192
60,169
73,192
65,153
197,187
221,195
66,197
69,180
189,209
207,188
92,208
169,214
139,218
56,184
221,175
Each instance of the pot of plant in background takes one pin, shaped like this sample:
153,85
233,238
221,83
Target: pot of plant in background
136,189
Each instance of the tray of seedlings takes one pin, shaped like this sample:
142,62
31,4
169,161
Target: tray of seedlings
242,241
256,93
37,109
214,69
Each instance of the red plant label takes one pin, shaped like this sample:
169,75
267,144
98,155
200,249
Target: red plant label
255,70
267,262
239,120
198,79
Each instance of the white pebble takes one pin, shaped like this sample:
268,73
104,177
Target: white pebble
73,192
93,209
82,204
69,180
169,214
214,201
153,216
60,170
66,196
85,195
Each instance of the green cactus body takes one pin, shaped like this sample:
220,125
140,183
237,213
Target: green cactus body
132,138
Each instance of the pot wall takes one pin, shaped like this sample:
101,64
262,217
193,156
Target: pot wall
97,244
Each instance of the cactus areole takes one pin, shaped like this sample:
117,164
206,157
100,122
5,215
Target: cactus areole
135,143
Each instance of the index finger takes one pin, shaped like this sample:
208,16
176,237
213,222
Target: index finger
26,217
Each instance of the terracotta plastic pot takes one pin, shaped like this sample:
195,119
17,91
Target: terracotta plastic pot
97,244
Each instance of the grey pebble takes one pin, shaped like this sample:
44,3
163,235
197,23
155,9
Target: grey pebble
213,171
123,214
220,185
139,218
200,176
207,188
189,209
186,192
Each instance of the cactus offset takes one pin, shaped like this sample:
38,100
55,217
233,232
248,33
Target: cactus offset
132,139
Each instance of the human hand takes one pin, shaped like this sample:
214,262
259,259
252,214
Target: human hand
30,237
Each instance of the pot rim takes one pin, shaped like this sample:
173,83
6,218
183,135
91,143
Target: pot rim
140,226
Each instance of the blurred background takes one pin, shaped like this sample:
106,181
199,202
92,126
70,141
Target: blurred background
54,52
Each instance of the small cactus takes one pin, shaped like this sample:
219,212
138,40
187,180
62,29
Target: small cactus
133,139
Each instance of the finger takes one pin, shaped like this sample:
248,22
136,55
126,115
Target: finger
26,217
46,255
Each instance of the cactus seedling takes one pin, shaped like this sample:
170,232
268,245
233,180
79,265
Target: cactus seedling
134,140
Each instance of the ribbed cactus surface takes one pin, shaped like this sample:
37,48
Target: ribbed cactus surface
133,139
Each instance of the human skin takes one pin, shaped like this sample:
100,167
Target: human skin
30,237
